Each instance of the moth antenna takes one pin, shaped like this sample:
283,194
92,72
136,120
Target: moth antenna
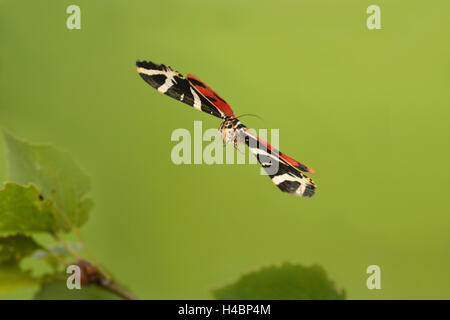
218,131
252,115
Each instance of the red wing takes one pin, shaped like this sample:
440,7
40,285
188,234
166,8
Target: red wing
209,94
296,164
173,84
289,160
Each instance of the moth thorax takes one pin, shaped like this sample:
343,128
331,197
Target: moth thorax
230,132
229,135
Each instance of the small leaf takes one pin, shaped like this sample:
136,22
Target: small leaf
57,290
55,174
54,254
22,210
58,249
12,277
15,248
288,282
12,250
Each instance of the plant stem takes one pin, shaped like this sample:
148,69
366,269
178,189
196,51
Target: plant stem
68,247
105,281
90,254
107,285
115,288
58,258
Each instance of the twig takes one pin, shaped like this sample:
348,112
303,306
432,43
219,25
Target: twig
103,280
108,285
69,248
90,254
58,258
115,288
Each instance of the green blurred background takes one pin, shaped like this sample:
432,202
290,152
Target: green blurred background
367,109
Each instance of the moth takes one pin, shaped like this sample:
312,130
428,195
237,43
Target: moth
289,174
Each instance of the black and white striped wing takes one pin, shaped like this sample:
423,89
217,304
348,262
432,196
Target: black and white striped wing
175,85
285,176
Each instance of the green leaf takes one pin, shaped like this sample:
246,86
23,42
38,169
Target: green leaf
58,249
23,210
55,174
57,290
15,248
12,277
288,282
12,250
54,253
